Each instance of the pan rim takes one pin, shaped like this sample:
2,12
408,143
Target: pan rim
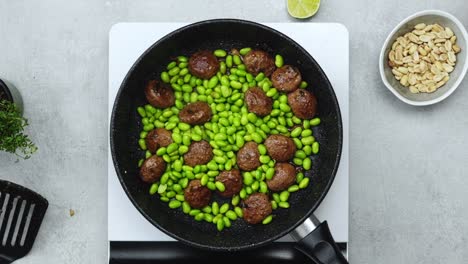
247,245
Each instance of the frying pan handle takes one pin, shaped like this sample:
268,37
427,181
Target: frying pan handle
4,260
316,241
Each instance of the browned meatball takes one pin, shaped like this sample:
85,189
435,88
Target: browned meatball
257,102
199,153
256,208
285,176
203,64
232,180
152,169
157,138
248,157
280,148
303,103
196,113
159,94
286,79
196,195
257,61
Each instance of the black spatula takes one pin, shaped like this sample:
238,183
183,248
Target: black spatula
21,214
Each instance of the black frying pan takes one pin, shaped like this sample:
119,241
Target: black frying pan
125,127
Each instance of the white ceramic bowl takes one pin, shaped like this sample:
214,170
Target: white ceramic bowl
428,17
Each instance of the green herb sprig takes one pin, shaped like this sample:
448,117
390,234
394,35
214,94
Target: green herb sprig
12,138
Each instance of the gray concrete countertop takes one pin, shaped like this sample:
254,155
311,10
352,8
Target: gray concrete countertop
408,191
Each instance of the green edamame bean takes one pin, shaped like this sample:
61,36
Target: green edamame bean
227,222
298,143
184,72
272,92
263,187
297,161
243,194
306,133
260,77
274,205
237,60
215,208
140,162
308,141
229,61
262,149
284,196
213,82
208,218
264,159
207,209
315,147
141,111
307,163
299,177
174,71
307,150
220,225
147,154
220,186
235,84
194,212
162,188
306,124
142,144
267,220
177,165
165,77
269,173
255,186
183,149
220,53
248,179
177,138
235,200
153,188
315,121
211,186
303,85
171,65
231,215
304,183
244,51
204,179
199,216
296,132
174,204
283,205
148,127
196,137
256,137
279,61
224,208
276,197
300,154
182,59
186,208
177,188
293,188
238,212
172,147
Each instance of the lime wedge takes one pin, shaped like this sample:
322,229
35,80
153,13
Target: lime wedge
303,8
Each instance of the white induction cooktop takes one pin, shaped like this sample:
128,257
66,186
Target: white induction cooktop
328,43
